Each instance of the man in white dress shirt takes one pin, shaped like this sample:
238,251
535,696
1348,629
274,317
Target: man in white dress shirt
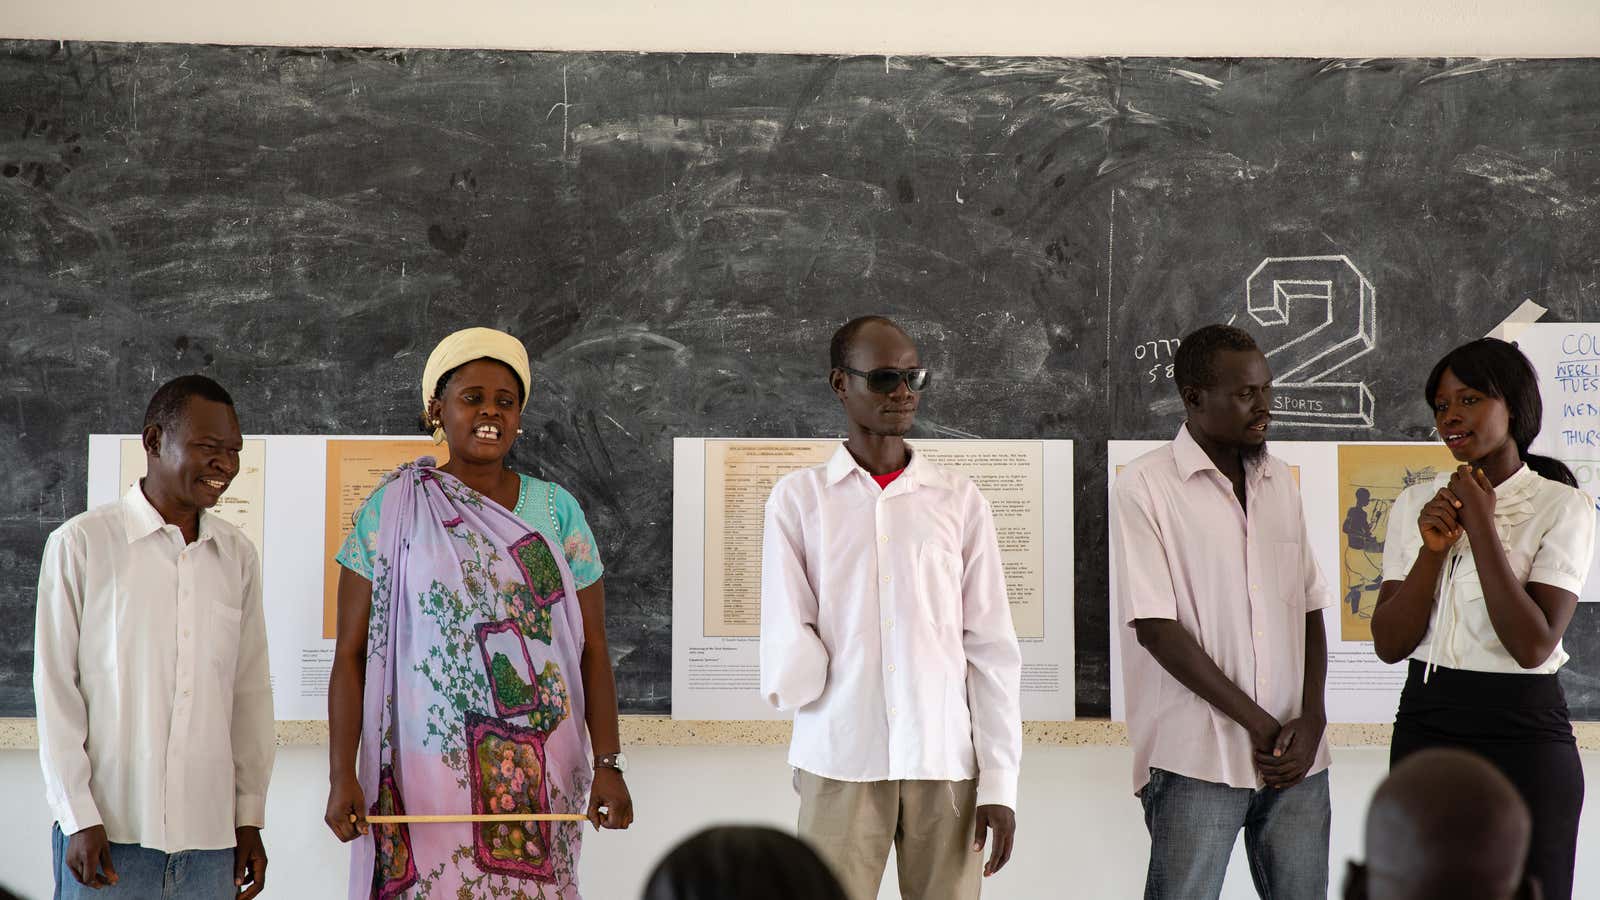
885,627
150,674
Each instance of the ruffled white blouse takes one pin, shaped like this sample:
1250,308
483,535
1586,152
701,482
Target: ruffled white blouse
1547,529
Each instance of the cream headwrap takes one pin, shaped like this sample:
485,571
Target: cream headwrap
469,344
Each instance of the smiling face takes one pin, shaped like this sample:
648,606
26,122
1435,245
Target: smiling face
1473,424
192,461
878,346
480,410
1235,410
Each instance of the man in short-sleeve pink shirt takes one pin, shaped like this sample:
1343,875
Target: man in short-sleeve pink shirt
1224,653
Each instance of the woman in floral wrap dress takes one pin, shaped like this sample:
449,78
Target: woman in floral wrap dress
471,667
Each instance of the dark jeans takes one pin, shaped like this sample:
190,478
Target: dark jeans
1193,825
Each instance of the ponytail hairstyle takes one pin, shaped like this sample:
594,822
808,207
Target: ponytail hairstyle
1499,369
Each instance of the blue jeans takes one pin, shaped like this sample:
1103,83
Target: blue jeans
1194,823
150,874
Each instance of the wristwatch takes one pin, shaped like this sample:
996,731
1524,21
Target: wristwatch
612,761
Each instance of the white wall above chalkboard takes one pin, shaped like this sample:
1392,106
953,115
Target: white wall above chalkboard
1346,28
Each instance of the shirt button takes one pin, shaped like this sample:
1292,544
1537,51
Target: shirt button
1255,587
186,632
891,667
888,623
892,711
883,539
886,579
1260,634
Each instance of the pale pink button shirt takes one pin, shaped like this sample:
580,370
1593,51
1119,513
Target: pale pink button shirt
1184,549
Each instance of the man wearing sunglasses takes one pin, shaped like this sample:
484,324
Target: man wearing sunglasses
885,627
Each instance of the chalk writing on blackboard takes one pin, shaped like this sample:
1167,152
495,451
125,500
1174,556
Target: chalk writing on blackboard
1155,351
1319,313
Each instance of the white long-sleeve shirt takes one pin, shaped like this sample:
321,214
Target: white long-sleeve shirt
150,676
885,627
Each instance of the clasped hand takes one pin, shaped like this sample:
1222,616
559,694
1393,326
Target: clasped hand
1465,504
1285,756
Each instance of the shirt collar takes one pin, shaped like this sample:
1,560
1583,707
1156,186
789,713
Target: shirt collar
1523,481
1191,458
918,471
140,519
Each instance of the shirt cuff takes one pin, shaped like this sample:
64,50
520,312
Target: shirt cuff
76,813
250,811
998,788
1565,581
592,578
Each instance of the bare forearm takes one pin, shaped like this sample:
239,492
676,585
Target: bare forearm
1316,680
1177,652
1400,620
599,683
345,688
600,701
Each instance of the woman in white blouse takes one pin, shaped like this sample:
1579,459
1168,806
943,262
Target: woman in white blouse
1480,591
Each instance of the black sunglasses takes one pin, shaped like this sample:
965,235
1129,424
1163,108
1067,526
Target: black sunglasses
884,381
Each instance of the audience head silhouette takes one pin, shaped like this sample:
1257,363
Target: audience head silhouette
1444,824
740,862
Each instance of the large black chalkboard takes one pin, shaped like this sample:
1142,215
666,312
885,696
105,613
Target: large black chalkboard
676,236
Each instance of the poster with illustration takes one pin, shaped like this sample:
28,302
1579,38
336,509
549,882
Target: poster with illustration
1371,476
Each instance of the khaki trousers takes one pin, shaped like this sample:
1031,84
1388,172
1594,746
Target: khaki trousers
930,824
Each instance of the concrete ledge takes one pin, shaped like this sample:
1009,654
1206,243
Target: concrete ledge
663,731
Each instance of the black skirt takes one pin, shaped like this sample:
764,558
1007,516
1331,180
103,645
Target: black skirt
1519,723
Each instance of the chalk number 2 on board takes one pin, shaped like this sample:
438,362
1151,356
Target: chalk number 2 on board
1315,315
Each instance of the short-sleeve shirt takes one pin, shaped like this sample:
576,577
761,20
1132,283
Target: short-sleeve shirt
547,507
1547,529
1182,548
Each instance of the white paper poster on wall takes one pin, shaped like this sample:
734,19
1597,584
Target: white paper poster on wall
1567,360
720,488
1346,498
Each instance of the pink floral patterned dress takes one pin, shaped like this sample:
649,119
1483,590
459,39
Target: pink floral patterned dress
474,696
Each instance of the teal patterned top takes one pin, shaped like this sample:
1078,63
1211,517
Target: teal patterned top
547,507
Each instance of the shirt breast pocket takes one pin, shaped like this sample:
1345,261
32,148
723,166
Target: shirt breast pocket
224,639
939,582
1288,559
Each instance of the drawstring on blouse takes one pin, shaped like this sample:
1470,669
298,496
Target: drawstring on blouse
1438,614
1513,506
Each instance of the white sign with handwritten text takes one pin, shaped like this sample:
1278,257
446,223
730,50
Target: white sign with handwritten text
1567,358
